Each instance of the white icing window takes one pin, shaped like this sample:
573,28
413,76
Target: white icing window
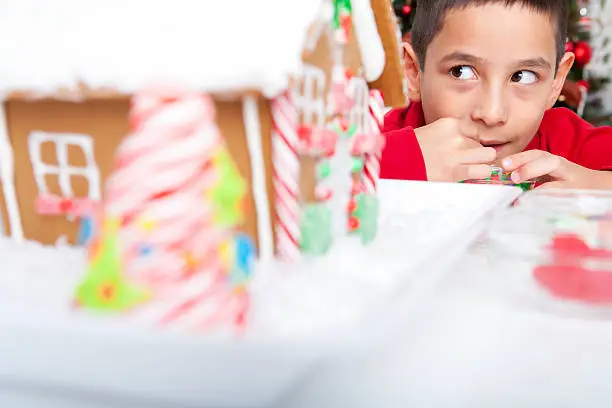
309,95
63,169
360,111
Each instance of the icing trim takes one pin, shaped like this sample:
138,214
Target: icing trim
7,174
63,169
371,48
252,127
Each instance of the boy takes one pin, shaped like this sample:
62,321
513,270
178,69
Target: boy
482,76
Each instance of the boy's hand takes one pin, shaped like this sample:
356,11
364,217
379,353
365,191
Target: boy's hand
452,152
554,171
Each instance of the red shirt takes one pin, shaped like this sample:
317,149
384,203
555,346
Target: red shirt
562,133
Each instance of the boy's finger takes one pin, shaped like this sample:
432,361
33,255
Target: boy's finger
469,131
477,155
552,185
545,165
474,172
515,161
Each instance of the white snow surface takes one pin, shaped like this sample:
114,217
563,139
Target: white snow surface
125,44
316,297
347,291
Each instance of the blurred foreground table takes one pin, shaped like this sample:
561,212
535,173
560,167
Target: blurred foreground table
475,345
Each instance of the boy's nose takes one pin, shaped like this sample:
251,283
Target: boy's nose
490,109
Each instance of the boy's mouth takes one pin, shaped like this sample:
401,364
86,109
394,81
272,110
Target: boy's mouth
496,145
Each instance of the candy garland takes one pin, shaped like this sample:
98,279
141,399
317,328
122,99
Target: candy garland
286,164
169,232
367,149
346,148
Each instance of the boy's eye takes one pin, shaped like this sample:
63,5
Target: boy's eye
462,72
524,77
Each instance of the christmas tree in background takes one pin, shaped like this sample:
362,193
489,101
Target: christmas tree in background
405,16
581,86
579,91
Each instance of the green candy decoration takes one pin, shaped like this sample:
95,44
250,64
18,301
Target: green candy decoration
350,132
341,8
229,193
316,234
367,212
357,165
104,287
324,169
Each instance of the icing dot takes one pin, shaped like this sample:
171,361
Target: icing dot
357,165
190,261
245,256
145,250
107,291
324,170
352,206
353,223
147,224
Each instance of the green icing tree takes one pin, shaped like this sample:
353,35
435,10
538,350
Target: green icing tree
316,234
104,286
367,213
229,194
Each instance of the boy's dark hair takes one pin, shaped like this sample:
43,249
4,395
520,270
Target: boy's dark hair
429,19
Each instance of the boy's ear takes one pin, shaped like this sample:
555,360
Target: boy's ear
412,71
564,68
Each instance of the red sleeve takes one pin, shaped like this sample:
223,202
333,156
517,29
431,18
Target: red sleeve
402,158
566,134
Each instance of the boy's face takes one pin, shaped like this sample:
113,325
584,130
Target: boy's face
494,66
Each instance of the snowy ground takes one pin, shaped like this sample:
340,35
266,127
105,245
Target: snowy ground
352,286
38,281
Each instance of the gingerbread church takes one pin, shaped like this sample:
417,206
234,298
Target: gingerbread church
186,126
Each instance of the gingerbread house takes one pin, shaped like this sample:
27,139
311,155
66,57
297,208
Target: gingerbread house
68,82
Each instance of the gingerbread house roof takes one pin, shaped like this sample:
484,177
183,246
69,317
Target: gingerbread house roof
122,45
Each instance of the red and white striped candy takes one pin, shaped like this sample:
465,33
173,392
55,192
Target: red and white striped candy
372,160
286,164
167,236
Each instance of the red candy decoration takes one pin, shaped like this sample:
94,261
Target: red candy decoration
353,223
352,206
567,277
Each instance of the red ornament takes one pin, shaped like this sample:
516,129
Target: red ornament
583,53
569,46
406,9
584,84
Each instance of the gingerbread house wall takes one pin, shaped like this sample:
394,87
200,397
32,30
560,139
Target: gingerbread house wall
102,123
239,120
392,82
318,57
73,128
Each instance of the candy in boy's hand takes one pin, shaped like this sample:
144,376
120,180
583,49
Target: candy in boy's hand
499,176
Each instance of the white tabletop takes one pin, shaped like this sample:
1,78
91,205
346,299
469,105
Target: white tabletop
477,345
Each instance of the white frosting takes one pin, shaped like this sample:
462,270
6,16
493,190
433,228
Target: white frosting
64,170
252,126
7,173
370,43
211,45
